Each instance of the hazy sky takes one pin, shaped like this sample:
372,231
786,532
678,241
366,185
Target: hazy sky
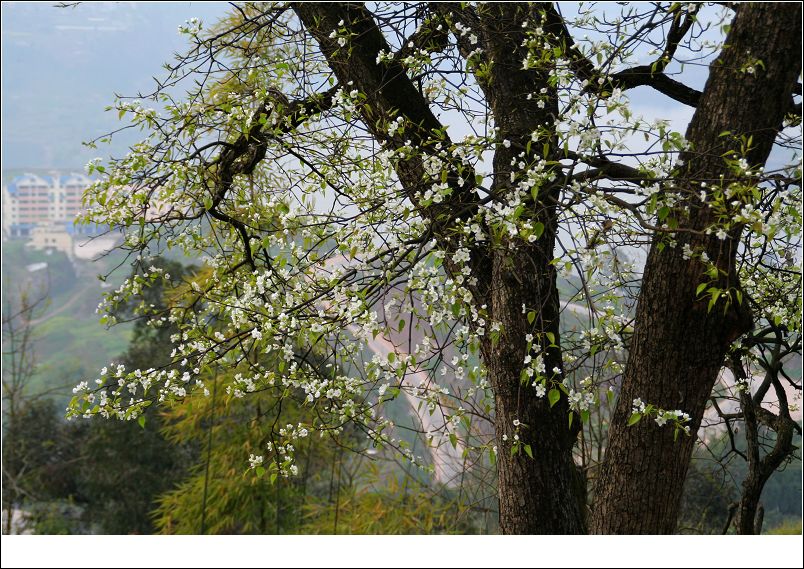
62,66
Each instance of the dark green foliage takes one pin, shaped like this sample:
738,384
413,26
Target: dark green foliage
40,459
98,476
110,472
124,468
149,345
128,466
708,492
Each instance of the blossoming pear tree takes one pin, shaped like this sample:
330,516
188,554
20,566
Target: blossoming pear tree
463,204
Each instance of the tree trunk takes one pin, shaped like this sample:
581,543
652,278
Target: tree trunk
539,495
761,467
543,494
678,346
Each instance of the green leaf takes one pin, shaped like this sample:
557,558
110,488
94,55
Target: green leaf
538,229
528,450
585,416
401,325
634,419
453,439
700,289
531,317
141,421
492,457
553,396
571,416
260,471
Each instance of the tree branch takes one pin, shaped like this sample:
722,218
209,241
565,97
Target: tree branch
389,94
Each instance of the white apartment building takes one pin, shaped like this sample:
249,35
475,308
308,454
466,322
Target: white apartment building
30,201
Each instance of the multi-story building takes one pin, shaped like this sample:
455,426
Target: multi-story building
46,237
31,200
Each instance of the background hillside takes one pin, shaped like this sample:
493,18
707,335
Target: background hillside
70,344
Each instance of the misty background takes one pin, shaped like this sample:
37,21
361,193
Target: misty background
62,66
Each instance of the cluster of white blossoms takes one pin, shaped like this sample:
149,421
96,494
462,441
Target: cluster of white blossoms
662,417
341,34
191,27
677,419
581,401
533,370
297,308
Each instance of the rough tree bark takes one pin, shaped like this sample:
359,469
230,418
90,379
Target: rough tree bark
678,347
538,496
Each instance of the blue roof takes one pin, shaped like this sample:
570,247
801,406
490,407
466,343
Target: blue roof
74,178
28,179
33,179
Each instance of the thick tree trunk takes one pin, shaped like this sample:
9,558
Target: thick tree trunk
538,495
543,494
679,345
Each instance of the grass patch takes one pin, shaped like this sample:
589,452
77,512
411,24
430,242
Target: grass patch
787,527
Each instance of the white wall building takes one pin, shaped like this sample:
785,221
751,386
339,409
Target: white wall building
30,200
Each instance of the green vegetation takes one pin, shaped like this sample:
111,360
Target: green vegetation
183,472
788,527
71,344
164,461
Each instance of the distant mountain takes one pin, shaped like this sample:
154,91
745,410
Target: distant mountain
62,66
